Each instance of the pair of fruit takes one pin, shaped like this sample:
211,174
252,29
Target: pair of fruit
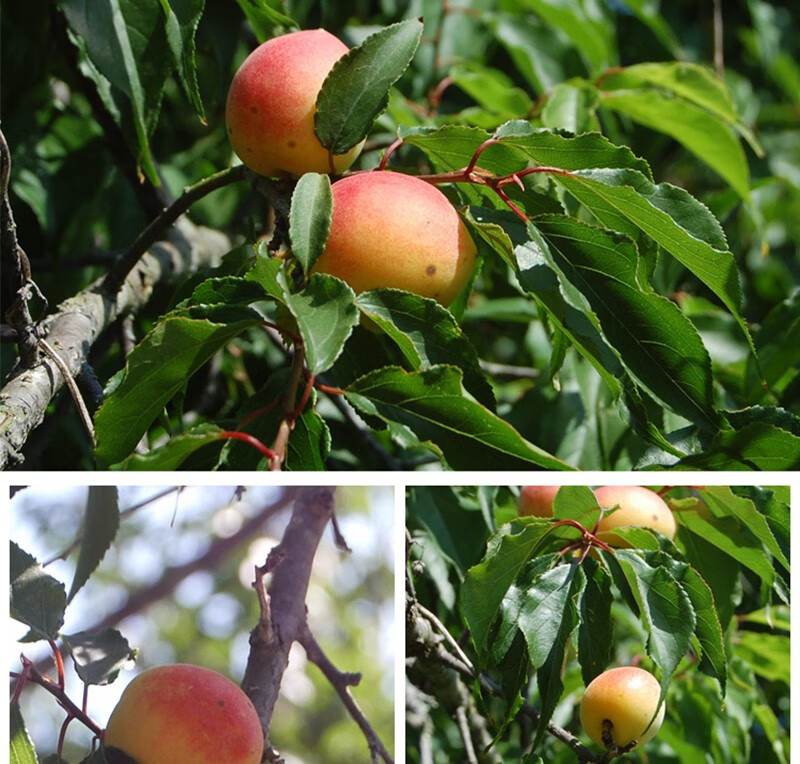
387,229
636,507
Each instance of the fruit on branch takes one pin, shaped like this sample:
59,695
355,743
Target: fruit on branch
272,102
394,230
638,507
537,500
627,697
182,713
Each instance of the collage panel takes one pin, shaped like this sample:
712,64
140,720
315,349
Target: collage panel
202,624
550,624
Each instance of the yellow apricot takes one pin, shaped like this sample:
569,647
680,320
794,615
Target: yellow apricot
395,230
177,714
537,500
628,697
638,507
272,102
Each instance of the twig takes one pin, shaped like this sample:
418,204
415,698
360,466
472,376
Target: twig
86,419
16,269
719,56
147,238
341,682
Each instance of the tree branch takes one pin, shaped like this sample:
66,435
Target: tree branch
79,321
283,606
342,681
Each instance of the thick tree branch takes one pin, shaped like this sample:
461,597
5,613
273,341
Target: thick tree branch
77,323
283,606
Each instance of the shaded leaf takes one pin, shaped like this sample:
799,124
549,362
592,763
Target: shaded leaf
37,599
310,218
99,656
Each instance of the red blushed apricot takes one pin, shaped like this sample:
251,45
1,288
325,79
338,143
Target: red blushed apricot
628,697
537,500
395,230
638,507
272,101
181,713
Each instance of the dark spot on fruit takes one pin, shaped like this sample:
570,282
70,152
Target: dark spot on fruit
254,109
249,150
221,703
292,144
430,270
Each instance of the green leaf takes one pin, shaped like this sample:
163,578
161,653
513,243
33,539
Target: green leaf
127,42
693,82
756,446
265,272
719,497
486,584
492,89
767,654
158,368
99,656
563,607
707,627
100,526
432,403
427,334
224,290
182,20
727,534
326,314
656,341
310,218
263,15
357,89
596,628
671,217
666,611
702,133
21,749
589,29
172,454
576,502
37,599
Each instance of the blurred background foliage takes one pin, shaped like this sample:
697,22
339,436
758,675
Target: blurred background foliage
206,620
75,207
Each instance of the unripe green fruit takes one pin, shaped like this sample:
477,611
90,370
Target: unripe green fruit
537,500
638,507
272,101
394,230
182,714
628,698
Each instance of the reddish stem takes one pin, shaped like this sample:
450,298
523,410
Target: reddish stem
21,678
259,412
284,331
251,440
63,734
474,161
435,98
59,661
303,400
328,389
392,148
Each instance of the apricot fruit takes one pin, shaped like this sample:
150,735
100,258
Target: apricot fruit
628,697
537,500
395,230
272,102
182,713
638,507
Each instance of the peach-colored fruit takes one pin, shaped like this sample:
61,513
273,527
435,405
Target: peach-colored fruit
394,230
181,713
272,101
537,500
628,698
639,507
